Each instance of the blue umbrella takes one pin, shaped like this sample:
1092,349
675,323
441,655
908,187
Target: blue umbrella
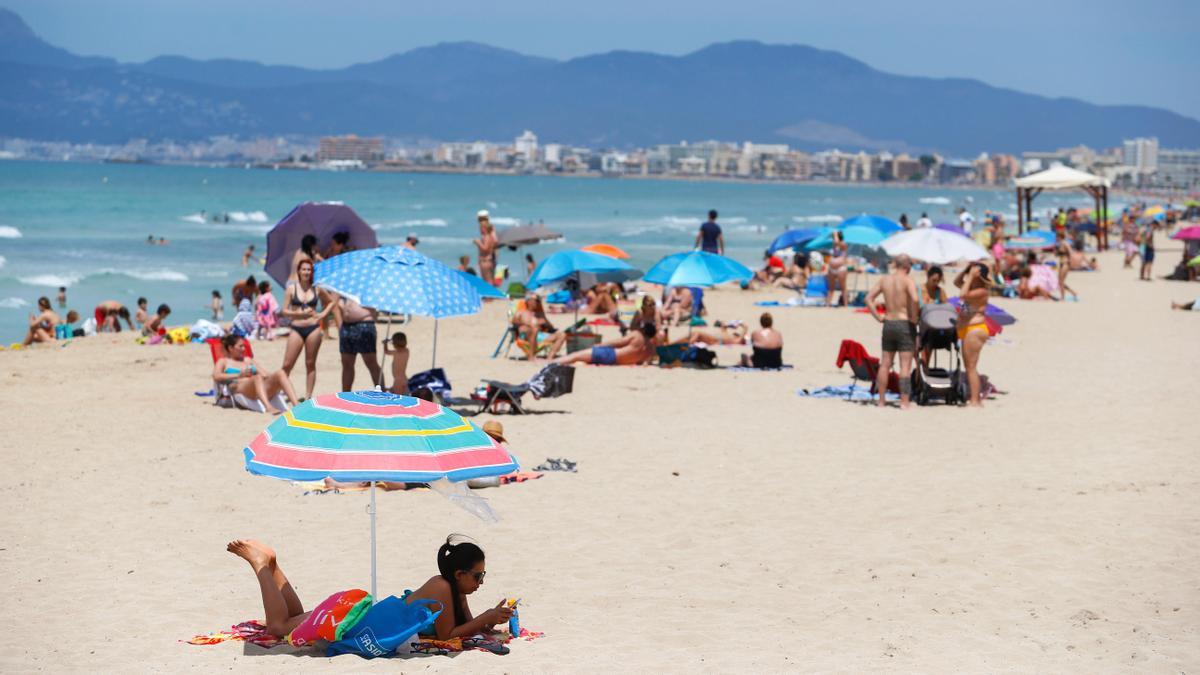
697,268
484,289
885,225
565,265
853,235
1032,239
399,280
797,237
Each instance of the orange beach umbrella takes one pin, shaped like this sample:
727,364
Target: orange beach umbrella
608,250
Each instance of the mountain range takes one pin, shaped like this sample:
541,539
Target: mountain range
743,90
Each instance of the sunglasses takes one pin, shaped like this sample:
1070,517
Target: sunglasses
479,576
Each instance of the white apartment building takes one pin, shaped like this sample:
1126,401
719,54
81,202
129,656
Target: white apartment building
526,146
1141,154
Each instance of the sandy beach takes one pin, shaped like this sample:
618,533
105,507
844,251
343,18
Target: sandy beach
717,523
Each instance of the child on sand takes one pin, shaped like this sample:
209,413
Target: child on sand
398,350
266,311
155,323
142,315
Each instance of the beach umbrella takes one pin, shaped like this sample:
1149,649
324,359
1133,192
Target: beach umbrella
856,236
1033,239
482,287
1156,212
797,237
398,280
885,225
608,250
935,246
946,227
697,268
1188,233
320,219
567,265
991,311
375,436
522,235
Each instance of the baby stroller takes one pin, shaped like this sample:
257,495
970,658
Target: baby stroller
936,332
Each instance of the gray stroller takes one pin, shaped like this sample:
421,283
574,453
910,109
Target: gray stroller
936,333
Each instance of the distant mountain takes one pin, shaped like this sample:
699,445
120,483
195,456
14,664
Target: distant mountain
807,97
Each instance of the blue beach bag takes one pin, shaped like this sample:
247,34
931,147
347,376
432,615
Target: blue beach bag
387,626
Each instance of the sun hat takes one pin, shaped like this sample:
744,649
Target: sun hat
482,214
495,430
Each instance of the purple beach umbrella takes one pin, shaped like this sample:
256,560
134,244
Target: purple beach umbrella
321,219
995,313
951,228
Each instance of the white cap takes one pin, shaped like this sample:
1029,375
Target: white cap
482,214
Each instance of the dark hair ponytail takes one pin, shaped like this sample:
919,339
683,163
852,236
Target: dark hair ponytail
307,243
457,555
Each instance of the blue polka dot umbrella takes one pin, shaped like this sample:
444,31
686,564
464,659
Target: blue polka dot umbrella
399,280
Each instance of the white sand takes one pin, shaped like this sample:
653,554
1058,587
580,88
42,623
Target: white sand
1056,530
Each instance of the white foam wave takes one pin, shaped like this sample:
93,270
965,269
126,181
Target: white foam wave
149,275
193,218
504,221
446,240
248,217
13,303
9,232
688,220
415,222
2,261
52,280
749,228
934,200
824,218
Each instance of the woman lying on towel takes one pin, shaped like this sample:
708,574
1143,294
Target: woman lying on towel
460,573
244,377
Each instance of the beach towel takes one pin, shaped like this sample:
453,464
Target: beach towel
246,631
845,392
244,322
1044,277
751,369
428,645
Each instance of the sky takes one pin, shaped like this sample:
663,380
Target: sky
1103,51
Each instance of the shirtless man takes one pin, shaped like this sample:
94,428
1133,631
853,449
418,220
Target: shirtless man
109,314
899,326
633,349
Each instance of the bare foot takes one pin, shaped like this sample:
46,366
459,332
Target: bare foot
275,411
260,556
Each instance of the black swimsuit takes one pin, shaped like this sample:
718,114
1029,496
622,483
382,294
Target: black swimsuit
304,331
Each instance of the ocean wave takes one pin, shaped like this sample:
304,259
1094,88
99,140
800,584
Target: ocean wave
505,221
2,261
248,216
193,218
416,222
148,275
446,240
934,200
9,232
13,303
824,218
51,280
732,221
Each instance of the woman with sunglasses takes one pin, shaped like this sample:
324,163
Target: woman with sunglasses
460,573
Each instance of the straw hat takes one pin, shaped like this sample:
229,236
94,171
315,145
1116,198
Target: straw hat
495,430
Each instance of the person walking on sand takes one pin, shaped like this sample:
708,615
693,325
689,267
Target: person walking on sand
710,239
486,243
900,300
1147,241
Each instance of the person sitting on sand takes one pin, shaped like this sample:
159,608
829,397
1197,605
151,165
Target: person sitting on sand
41,325
601,299
677,306
109,315
142,315
635,348
733,333
796,277
772,269
154,323
533,328
766,345
1027,291
461,571
398,350
244,376
647,313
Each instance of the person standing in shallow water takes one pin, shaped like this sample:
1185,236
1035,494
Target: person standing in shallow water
710,239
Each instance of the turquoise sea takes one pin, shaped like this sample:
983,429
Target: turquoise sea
84,226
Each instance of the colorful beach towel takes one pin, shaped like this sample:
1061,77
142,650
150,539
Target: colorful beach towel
428,645
246,631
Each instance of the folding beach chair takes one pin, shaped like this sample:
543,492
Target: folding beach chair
550,382
863,367
225,397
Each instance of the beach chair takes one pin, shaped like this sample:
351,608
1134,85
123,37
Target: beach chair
225,397
434,380
863,367
552,381
815,291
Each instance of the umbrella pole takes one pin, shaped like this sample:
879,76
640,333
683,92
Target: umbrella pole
383,361
374,594
435,326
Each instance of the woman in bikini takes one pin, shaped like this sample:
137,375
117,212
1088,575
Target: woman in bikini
839,264
932,292
972,328
461,571
1062,253
244,377
486,243
300,305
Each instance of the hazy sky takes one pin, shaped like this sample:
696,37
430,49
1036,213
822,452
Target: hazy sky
1103,51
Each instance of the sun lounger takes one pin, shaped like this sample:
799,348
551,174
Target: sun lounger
226,397
550,382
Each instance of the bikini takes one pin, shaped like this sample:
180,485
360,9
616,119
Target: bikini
964,331
304,331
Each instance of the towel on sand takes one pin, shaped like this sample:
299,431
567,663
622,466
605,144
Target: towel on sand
845,391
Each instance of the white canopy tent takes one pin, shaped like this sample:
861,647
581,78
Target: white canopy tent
1064,178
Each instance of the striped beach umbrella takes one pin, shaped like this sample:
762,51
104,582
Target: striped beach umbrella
375,436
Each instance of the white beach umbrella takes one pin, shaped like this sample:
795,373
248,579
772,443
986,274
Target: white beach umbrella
931,245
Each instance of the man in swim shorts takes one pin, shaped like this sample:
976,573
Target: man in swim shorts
899,326
633,349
